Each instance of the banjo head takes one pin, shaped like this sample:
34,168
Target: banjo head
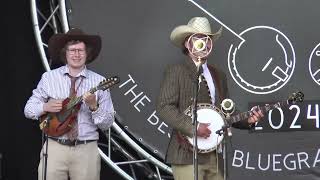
209,114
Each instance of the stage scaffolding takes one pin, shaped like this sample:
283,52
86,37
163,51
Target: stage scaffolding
51,17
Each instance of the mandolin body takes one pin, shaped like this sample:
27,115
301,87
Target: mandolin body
57,124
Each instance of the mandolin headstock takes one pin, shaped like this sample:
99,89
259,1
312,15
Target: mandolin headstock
107,83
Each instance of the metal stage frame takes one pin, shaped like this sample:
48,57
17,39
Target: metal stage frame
52,18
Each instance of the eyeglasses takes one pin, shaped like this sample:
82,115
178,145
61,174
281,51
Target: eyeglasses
74,51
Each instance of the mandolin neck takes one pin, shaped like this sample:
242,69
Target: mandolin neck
76,100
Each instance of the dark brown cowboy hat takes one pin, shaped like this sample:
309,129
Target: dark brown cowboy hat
58,41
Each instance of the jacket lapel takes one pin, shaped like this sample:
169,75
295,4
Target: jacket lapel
217,83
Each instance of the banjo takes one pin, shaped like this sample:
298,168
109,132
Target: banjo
218,119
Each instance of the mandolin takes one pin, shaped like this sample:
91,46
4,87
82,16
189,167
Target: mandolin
57,124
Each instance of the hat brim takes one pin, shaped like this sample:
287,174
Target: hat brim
58,41
180,33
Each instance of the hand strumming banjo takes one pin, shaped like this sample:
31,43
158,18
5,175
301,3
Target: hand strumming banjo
208,113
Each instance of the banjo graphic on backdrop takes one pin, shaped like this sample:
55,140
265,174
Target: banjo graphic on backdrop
275,64
314,64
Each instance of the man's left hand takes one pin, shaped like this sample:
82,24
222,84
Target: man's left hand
256,115
90,100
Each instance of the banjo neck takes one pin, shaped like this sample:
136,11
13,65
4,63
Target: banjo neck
293,98
264,109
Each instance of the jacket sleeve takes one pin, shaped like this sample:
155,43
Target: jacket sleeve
168,102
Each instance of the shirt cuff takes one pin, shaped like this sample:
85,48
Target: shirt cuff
38,111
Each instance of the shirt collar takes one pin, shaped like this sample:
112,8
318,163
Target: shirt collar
83,73
205,66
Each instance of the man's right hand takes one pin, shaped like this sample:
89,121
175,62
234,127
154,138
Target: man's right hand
53,105
203,130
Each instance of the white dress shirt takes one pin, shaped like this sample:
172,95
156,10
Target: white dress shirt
56,84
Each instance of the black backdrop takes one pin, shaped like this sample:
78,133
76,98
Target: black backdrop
271,64
20,138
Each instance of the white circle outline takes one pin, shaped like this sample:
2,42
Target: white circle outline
293,59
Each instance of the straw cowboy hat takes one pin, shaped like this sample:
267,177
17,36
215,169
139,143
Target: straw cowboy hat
58,41
195,25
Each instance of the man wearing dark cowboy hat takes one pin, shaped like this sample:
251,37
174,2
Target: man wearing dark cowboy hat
75,153
176,95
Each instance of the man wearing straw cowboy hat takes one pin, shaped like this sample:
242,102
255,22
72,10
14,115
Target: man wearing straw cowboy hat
73,154
176,95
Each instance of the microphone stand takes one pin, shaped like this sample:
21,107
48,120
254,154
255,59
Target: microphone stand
227,133
199,49
195,124
44,125
227,107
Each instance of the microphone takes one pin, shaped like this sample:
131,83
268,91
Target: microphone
227,106
225,128
199,45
